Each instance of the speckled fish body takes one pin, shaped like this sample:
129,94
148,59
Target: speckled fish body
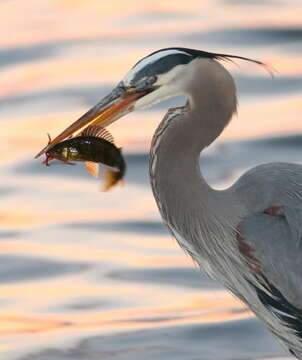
93,146
88,148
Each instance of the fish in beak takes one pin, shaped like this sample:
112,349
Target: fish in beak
112,107
160,75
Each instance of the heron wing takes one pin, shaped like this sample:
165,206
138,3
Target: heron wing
275,242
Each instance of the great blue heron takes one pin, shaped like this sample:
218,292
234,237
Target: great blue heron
248,236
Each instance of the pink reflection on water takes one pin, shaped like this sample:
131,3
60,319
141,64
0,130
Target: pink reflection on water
73,44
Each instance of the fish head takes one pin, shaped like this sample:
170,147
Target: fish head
47,159
62,153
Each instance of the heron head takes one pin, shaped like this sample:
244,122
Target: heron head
158,76
164,73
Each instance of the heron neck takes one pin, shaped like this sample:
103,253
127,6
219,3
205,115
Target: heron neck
176,176
212,103
178,185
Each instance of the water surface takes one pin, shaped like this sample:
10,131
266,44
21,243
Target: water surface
92,275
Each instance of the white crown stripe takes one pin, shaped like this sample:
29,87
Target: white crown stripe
148,60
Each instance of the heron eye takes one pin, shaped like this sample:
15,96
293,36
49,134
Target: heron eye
145,82
151,79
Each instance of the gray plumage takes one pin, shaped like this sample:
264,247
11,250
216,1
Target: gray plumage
206,222
247,236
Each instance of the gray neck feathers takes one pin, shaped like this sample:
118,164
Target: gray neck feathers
181,136
190,207
213,101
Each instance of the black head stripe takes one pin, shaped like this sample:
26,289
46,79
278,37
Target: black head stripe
162,65
194,53
174,56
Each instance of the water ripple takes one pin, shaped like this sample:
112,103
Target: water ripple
202,342
15,268
249,36
144,227
175,276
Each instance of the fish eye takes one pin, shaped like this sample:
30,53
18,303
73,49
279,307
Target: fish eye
73,151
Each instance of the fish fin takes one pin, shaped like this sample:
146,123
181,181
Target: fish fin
111,178
49,139
92,168
98,131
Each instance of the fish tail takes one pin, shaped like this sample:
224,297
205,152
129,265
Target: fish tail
111,178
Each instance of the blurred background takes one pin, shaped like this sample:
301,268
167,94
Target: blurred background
92,275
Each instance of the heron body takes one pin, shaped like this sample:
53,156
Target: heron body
207,222
248,236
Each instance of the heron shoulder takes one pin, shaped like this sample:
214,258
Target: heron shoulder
269,184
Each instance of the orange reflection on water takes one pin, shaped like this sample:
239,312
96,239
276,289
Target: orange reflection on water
55,45
63,19
286,66
65,72
60,22
17,324
173,307
267,118
97,251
